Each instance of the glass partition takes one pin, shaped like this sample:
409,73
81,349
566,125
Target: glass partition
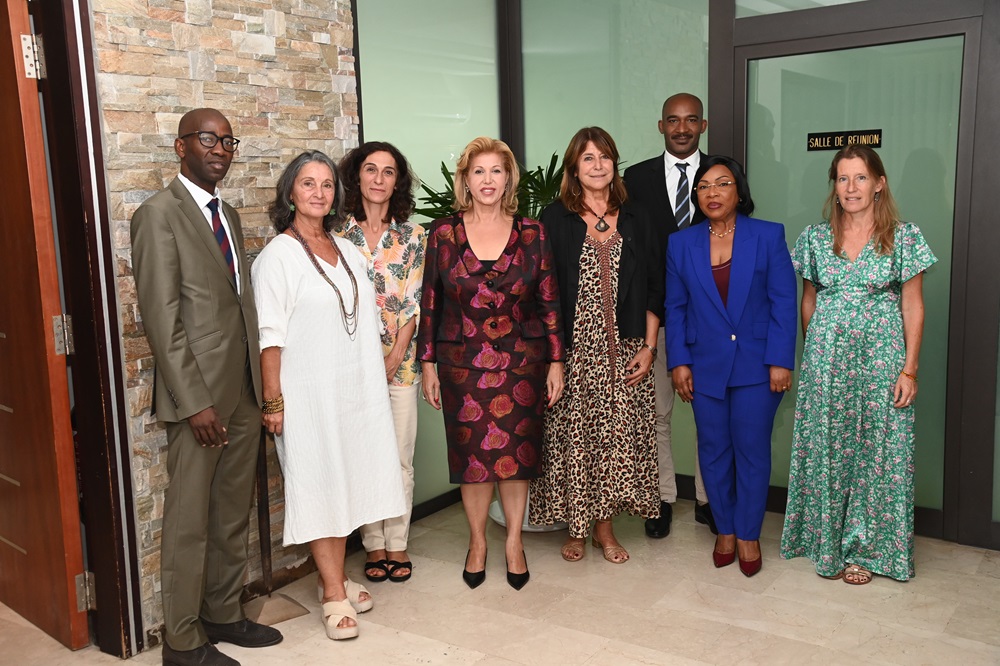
608,63
909,91
429,80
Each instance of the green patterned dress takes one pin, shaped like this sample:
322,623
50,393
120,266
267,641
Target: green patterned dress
850,489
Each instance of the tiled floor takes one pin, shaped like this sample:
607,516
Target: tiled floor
668,605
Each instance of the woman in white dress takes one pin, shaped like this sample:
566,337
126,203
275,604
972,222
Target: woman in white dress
325,398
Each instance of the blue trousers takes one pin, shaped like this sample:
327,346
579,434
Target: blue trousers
734,450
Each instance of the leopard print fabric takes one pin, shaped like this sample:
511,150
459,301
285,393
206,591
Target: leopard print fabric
599,457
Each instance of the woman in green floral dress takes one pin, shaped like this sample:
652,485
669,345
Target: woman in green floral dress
850,491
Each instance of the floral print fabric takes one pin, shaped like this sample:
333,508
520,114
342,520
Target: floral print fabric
491,330
396,268
850,490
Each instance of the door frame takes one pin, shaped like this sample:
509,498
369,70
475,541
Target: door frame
974,304
69,117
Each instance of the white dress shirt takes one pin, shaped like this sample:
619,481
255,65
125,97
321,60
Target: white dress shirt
202,198
673,175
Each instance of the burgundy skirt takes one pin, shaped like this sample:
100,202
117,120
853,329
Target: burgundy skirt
493,422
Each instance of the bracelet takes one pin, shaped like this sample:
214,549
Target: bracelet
274,405
651,348
904,373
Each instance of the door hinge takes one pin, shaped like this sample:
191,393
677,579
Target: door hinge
86,595
34,56
62,330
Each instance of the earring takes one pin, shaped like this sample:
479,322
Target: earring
837,199
877,194
291,207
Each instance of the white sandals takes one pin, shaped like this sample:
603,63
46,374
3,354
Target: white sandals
354,591
333,613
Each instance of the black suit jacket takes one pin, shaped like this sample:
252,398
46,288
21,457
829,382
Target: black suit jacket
646,183
640,274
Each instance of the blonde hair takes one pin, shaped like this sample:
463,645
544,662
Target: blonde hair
484,145
886,211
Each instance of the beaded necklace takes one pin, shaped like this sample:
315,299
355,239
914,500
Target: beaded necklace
350,318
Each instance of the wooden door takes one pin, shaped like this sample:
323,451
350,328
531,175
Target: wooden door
40,542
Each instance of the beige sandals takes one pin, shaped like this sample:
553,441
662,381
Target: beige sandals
333,614
354,591
861,575
572,550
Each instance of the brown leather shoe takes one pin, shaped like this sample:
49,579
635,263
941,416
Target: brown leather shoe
245,633
205,655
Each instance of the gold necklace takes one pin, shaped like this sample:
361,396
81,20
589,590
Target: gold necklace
723,234
350,318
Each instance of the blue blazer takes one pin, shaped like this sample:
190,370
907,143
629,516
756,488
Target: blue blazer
735,344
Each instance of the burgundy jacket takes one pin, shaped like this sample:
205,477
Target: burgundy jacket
497,319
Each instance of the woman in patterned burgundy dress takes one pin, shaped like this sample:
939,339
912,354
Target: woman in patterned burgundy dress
490,320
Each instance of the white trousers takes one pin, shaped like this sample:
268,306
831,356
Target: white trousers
664,388
393,533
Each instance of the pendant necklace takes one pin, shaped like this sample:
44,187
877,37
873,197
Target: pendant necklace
350,318
723,234
601,225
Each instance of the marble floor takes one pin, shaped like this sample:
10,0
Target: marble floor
668,605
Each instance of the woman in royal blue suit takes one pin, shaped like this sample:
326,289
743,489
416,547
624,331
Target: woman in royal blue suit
730,328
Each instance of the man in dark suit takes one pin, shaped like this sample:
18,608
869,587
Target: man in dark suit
663,186
198,312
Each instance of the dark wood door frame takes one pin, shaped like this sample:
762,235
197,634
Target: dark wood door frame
974,326
71,113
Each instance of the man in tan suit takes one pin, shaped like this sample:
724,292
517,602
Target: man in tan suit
197,306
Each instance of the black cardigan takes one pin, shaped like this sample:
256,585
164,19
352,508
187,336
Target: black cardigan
641,279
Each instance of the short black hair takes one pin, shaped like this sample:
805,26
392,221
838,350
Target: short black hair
745,205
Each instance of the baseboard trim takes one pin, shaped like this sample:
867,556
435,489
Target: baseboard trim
288,575
927,522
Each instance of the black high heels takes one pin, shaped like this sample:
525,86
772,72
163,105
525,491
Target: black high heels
518,580
473,578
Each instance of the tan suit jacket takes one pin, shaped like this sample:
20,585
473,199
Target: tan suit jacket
201,330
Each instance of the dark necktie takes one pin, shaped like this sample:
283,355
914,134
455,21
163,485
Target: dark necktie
682,209
221,237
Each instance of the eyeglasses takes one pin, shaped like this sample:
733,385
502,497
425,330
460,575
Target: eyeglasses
705,189
210,139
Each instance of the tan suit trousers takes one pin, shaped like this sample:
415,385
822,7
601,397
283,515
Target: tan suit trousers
664,390
206,516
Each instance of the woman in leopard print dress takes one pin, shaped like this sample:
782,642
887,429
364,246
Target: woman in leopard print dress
599,457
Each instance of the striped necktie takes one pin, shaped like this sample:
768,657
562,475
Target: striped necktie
221,237
682,209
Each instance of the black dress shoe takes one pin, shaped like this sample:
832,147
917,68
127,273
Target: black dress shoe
245,633
657,528
703,515
473,578
518,580
206,655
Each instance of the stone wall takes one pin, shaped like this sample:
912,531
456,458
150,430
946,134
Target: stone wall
283,73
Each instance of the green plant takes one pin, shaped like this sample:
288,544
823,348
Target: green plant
536,189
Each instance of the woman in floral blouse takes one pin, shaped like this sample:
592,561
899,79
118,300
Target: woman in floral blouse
491,322
379,198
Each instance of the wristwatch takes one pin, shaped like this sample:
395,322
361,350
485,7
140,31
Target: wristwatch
651,348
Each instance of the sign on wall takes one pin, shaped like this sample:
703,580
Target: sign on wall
837,140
